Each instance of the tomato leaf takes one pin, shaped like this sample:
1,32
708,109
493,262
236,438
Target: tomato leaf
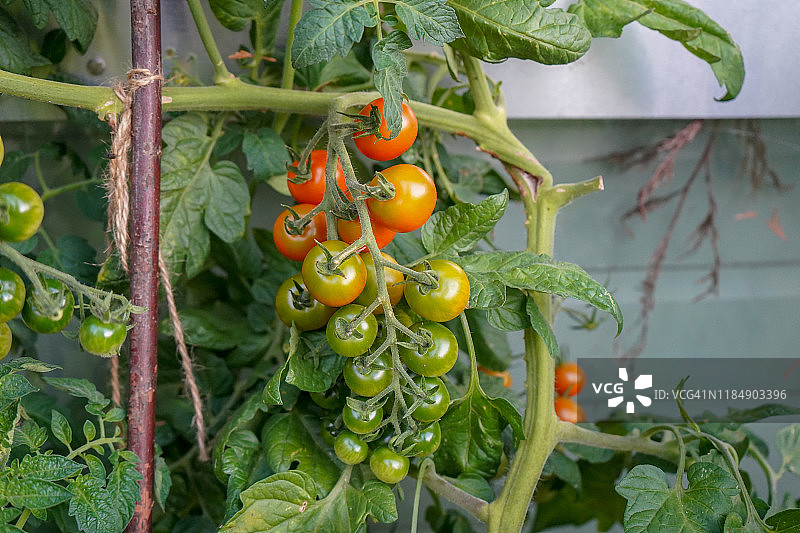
32,493
197,197
331,28
78,19
60,427
495,31
73,255
785,522
46,467
381,504
313,366
266,153
564,468
390,69
489,274
80,388
217,328
122,485
9,418
787,440
460,227
162,479
15,54
289,441
93,507
541,326
654,506
429,20
471,441
236,15
491,345
678,21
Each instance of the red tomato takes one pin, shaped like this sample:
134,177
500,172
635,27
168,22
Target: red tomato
350,231
384,150
295,247
568,410
313,190
413,201
569,379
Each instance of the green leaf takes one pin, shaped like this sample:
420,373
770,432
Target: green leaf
286,502
9,418
495,31
312,365
93,507
511,416
32,493
46,467
787,440
490,272
60,427
197,197
677,20
266,153
342,71
475,485
471,441
78,19
241,451
96,468
460,227
73,255
29,434
14,387
381,504
39,12
541,326
564,468
80,388
511,314
289,441
787,521
15,54
272,390
162,480
429,20
240,419
331,28
390,69
122,486
236,14
405,248
653,506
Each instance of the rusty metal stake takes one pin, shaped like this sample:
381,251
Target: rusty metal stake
145,186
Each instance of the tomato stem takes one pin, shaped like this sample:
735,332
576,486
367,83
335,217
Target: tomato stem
221,73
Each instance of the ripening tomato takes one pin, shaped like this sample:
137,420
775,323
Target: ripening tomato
350,232
312,191
393,278
294,304
360,338
383,149
569,379
413,201
444,302
295,247
333,289
568,410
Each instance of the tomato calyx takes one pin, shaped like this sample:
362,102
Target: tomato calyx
383,189
296,224
301,297
429,281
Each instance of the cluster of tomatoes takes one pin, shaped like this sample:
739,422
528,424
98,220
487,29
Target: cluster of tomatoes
21,214
337,293
569,381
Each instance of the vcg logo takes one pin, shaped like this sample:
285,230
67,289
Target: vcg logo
645,381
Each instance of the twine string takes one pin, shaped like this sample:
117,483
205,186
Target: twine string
116,185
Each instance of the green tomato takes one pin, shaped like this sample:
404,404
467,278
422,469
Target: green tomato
102,338
388,466
293,303
425,441
360,338
49,320
349,448
436,400
372,380
330,399
21,211
12,294
361,423
435,359
328,430
5,340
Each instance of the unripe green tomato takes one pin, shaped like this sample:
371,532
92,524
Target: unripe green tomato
437,399
330,399
43,320
101,338
21,211
12,294
5,340
372,380
361,424
328,431
436,359
362,336
388,466
425,441
349,448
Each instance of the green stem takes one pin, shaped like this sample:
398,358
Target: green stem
568,432
50,193
287,82
98,442
23,518
221,73
474,505
769,473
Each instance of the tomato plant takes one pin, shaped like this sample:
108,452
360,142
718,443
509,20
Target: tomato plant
260,402
390,144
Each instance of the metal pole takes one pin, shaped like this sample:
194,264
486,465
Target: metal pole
145,186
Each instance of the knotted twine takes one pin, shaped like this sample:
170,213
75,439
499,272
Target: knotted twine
116,184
